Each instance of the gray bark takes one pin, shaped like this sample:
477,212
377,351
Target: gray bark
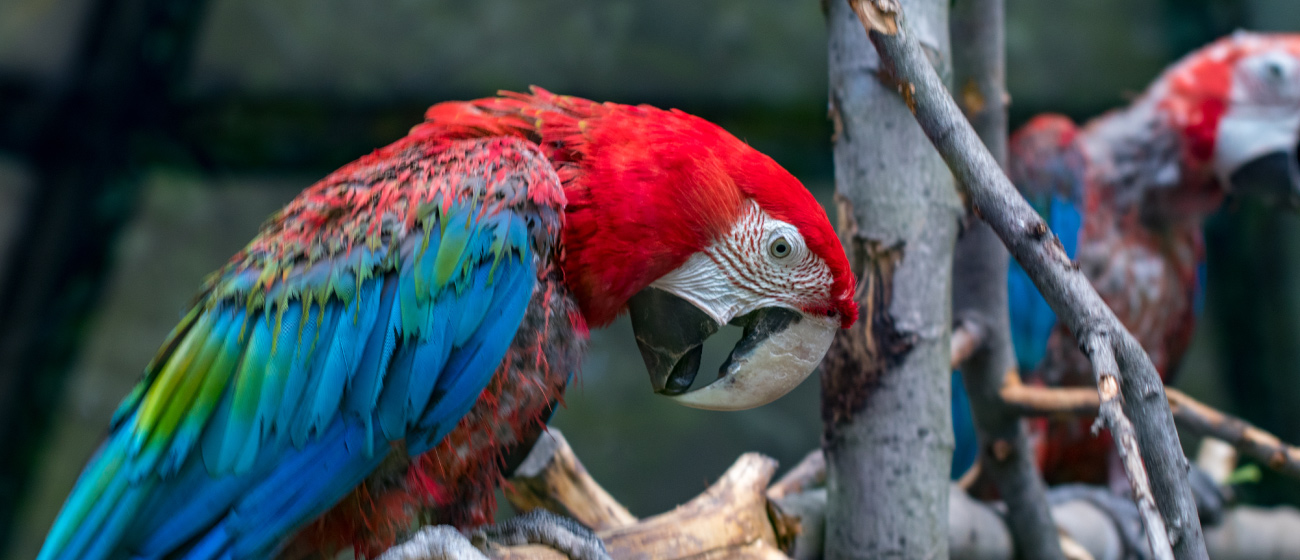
885,384
1068,292
980,290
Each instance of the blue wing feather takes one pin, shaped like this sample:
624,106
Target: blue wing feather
308,393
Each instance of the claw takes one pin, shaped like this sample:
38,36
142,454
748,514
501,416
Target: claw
543,527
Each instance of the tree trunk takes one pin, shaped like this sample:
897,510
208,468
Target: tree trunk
132,56
885,383
980,290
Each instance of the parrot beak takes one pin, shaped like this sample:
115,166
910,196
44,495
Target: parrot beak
1257,155
779,349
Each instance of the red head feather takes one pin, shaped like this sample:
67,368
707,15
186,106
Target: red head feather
1196,91
646,189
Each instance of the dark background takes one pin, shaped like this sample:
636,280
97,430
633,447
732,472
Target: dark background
145,176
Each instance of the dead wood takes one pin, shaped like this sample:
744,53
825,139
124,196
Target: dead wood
553,478
731,519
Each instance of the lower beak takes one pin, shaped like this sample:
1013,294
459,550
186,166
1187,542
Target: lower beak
778,350
1274,176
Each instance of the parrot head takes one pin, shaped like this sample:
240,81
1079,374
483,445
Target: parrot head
1237,102
687,228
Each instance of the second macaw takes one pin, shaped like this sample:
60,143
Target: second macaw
1128,195
365,364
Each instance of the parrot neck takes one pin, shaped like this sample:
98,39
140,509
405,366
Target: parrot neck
1141,163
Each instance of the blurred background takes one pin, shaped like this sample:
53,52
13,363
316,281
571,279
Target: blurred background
126,177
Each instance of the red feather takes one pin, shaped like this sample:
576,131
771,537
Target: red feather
646,188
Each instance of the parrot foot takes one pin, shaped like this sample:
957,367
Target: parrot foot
443,542
1121,510
1211,499
543,527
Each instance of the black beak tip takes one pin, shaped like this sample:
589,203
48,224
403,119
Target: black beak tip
683,373
670,332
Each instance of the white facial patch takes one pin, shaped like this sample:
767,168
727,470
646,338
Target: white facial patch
1263,113
761,262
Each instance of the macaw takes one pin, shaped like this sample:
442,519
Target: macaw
368,361
1128,194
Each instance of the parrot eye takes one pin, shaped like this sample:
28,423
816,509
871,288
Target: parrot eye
1275,70
780,248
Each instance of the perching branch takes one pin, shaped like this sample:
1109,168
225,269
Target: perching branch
553,478
1066,289
982,341
1191,414
732,519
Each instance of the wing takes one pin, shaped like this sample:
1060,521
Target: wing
367,316
1048,169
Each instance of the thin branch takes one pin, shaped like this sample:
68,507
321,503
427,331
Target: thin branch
1107,373
983,332
1028,400
1247,439
1031,242
1191,414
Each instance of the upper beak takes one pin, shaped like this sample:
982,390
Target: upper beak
1256,153
778,350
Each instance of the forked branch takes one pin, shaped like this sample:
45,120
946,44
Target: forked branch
1106,371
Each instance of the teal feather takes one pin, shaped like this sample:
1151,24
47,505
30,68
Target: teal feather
249,385
108,487
425,259
295,357
304,421
412,308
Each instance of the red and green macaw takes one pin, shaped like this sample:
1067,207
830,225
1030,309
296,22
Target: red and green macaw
1128,195
365,363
